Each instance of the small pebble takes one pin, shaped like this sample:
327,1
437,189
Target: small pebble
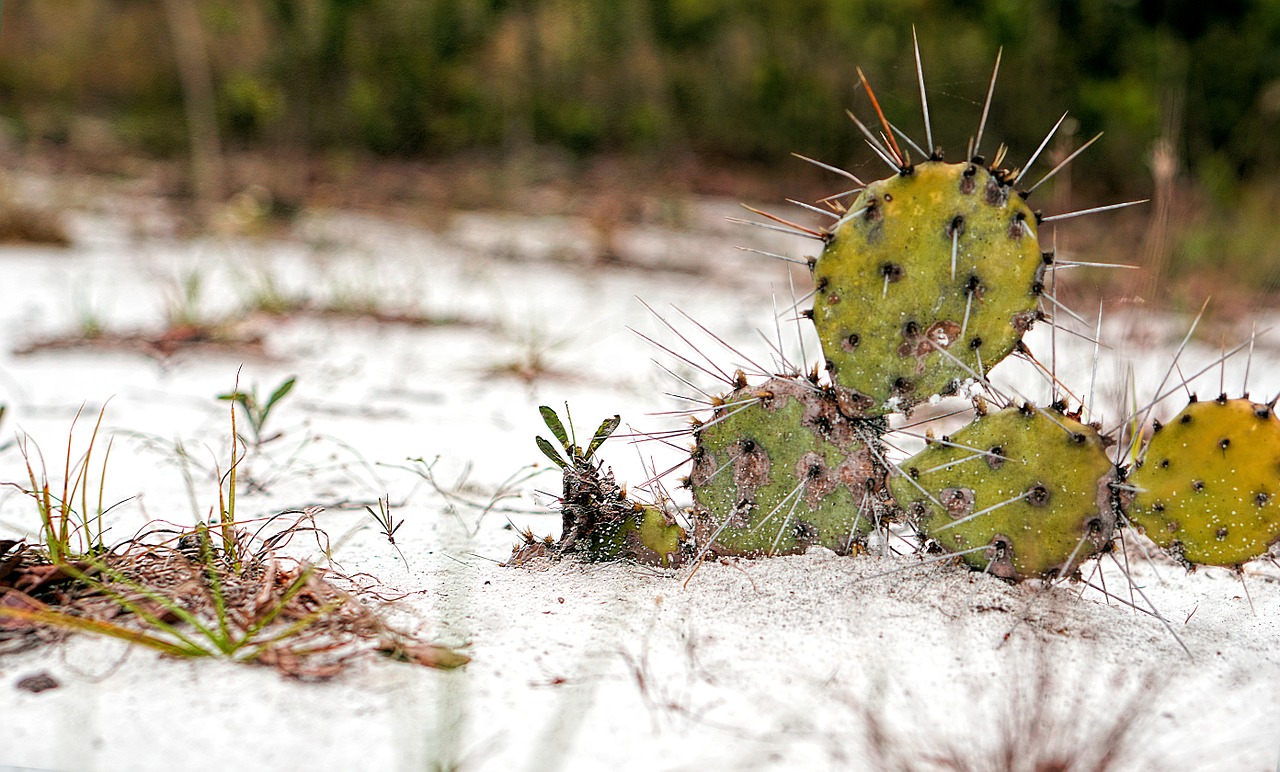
38,682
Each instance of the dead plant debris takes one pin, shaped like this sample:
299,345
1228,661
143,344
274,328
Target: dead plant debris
160,345
265,609
27,225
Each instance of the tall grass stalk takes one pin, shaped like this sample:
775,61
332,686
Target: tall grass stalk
68,534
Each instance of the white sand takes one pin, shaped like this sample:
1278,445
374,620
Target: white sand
771,664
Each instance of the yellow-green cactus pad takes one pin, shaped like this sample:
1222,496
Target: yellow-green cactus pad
650,536
942,257
1208,484
780,467
1030,484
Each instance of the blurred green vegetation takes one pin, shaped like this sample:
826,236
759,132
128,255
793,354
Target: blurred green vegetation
732,82
732,79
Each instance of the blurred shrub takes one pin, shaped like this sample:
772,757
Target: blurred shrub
1237,243
740,79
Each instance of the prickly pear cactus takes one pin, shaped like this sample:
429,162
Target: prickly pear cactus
1030,484
940,258
1209,481
780,467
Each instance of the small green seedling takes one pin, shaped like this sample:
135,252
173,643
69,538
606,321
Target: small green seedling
387,522
597,518
573,454
257,411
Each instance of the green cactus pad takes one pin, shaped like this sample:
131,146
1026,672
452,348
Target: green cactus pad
1051,469
781,467
1209,482
647,535
887,298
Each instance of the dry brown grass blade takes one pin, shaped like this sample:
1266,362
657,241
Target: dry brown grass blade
96,626
431,655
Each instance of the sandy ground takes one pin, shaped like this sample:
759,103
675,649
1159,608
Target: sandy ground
806,662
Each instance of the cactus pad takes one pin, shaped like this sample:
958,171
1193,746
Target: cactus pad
646,535
941,257
1040,498
1209,483
781,467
